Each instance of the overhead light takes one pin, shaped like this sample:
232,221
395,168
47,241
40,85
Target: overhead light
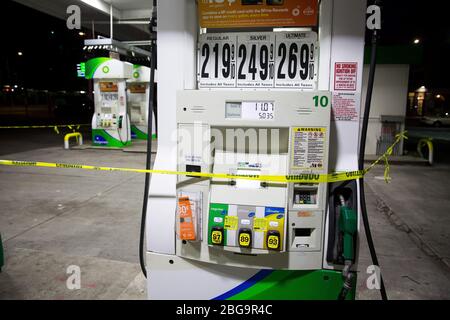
416,41
97,4
20,53
438,96
422,89
81,33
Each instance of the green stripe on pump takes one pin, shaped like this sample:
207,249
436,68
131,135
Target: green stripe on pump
297,285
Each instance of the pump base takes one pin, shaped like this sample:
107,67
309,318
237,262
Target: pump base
102,138
205,281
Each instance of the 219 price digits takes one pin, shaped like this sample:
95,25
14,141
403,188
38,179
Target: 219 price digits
227,66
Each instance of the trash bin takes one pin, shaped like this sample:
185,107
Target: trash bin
390,127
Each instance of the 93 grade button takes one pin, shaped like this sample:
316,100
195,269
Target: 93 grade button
245,238
273,240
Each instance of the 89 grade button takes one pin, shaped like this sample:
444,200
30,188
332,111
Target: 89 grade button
245,238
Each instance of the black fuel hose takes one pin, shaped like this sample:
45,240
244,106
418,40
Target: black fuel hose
149,139
362,149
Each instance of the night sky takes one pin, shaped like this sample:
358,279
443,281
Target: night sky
49,59
405,20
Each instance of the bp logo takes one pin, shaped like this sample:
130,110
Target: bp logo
105,69
100,140
136,74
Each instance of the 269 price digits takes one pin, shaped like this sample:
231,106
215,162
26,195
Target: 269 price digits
300,62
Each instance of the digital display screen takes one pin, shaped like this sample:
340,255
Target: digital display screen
250,110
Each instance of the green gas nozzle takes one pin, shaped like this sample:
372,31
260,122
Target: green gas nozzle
348,226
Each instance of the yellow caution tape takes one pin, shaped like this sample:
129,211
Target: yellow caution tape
54,126
300,178
387,169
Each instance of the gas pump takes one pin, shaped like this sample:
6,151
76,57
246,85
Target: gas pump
110,123
256,103
138,95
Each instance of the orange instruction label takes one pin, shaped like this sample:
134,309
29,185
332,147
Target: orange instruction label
187,227
108,86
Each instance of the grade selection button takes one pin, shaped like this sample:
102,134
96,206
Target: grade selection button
217,236
245,238
273,240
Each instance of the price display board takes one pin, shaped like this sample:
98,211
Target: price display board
217,61
296,60
285,60
255,60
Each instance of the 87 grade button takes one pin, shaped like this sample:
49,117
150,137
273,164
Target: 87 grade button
217,236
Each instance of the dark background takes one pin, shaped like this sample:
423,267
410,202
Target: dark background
49,60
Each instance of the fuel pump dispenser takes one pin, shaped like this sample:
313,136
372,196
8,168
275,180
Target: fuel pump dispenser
138,96
110,123
256,103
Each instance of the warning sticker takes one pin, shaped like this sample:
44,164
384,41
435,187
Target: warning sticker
345,76
308,148
231,223
345,106
260,224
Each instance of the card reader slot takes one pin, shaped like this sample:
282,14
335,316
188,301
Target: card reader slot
193,168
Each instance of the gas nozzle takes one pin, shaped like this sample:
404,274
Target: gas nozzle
348,227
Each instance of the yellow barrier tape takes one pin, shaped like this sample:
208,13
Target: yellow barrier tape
300,178
387,169
54,126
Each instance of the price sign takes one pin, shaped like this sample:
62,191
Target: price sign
255,60
295,65
285,60
217,61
